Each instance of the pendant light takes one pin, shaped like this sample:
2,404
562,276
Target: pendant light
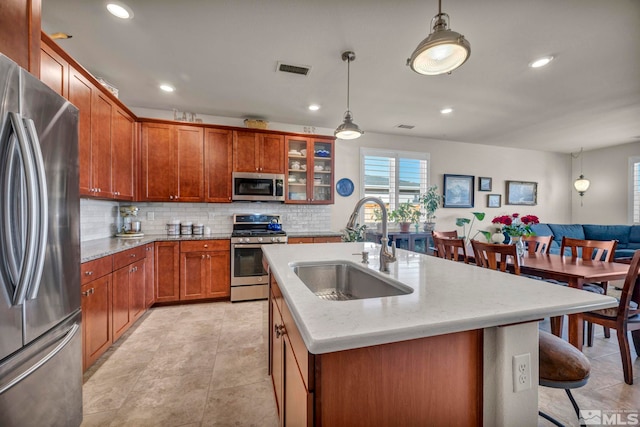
581,184
348,129
442,51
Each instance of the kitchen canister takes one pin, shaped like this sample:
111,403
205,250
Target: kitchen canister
198,229
173,227
186,228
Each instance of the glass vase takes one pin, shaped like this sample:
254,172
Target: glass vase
520,249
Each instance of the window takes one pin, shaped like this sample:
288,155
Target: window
393,176
634,174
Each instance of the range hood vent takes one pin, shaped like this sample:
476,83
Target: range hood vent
302,70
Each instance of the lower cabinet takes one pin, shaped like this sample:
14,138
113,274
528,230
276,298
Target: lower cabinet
329,239
149,275
128,292
96,319
205,269
167,263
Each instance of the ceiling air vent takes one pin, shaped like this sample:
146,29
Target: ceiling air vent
405,126
301,70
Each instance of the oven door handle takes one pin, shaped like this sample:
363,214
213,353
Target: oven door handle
248,246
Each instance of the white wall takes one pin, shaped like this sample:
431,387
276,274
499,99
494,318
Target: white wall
607,200
550,170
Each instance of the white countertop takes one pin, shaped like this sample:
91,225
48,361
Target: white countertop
448,297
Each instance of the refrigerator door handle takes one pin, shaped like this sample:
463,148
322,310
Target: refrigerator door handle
27,268
69,336
41,208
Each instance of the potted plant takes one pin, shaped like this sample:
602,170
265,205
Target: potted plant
405,215
431,202
462,222
354,235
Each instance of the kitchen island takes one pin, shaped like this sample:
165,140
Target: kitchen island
439,355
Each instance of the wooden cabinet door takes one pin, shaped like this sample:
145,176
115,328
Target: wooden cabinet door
219,274
193,275
101,115
189,142
158,171
122,155
80,95
297,402
20,32
218,150
271,153
277,360
96,319
149,276
137,286
54,70
246,151
167,267
120,302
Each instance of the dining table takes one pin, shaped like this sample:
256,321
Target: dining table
575,272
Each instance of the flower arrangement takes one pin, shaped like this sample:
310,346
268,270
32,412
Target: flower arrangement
516,225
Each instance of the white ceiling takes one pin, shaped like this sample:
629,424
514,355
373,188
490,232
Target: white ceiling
221,56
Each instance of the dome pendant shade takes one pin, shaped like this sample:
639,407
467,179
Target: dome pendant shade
442,51
348,129
581,185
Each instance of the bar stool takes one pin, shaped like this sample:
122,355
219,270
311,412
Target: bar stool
561,366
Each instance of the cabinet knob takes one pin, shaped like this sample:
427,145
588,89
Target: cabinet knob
171,197
206,246
88,273
279,330
132,255
88,292
208,256
202,256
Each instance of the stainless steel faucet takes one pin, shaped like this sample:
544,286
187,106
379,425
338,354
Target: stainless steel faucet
386,257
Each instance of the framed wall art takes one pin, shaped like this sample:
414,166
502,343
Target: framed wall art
494,200
522,193
458,191
484,183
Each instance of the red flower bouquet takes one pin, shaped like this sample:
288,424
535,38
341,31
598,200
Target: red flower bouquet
516,225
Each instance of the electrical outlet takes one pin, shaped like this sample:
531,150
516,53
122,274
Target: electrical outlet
521,372
151,216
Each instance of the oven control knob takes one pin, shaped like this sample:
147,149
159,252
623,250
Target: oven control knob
246,240
260,239
275,239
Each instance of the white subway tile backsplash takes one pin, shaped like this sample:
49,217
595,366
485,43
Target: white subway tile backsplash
99,218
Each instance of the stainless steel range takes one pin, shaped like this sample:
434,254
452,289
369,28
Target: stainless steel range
249,280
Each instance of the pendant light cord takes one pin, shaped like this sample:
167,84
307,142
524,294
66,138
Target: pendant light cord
348,80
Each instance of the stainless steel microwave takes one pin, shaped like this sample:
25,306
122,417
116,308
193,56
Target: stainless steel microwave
258,187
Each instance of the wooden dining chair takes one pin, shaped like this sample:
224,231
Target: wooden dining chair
451,248
600,250
486,255
537,244
560,365
446,234
623,318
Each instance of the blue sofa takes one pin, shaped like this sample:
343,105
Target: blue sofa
628,236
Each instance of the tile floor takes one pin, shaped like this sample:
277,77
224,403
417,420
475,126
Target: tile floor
205,365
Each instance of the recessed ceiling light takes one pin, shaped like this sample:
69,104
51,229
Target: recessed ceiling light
541,62
447,110
167,88
120,10
314,107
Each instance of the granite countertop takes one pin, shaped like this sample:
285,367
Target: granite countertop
448,297
93,249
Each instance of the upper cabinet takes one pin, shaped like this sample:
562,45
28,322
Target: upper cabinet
258,152
172,166
310,164
218,155
106,131
20,32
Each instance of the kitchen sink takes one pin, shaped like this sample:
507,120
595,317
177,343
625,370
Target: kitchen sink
344,281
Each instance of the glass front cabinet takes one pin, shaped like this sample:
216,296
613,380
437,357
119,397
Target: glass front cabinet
310,163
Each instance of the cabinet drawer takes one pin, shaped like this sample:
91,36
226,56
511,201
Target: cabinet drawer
205,246
295,240
332,239
92,270
129,256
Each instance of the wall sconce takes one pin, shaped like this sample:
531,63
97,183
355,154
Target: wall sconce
581,184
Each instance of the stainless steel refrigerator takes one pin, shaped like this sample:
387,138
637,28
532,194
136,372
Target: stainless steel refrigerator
40,338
